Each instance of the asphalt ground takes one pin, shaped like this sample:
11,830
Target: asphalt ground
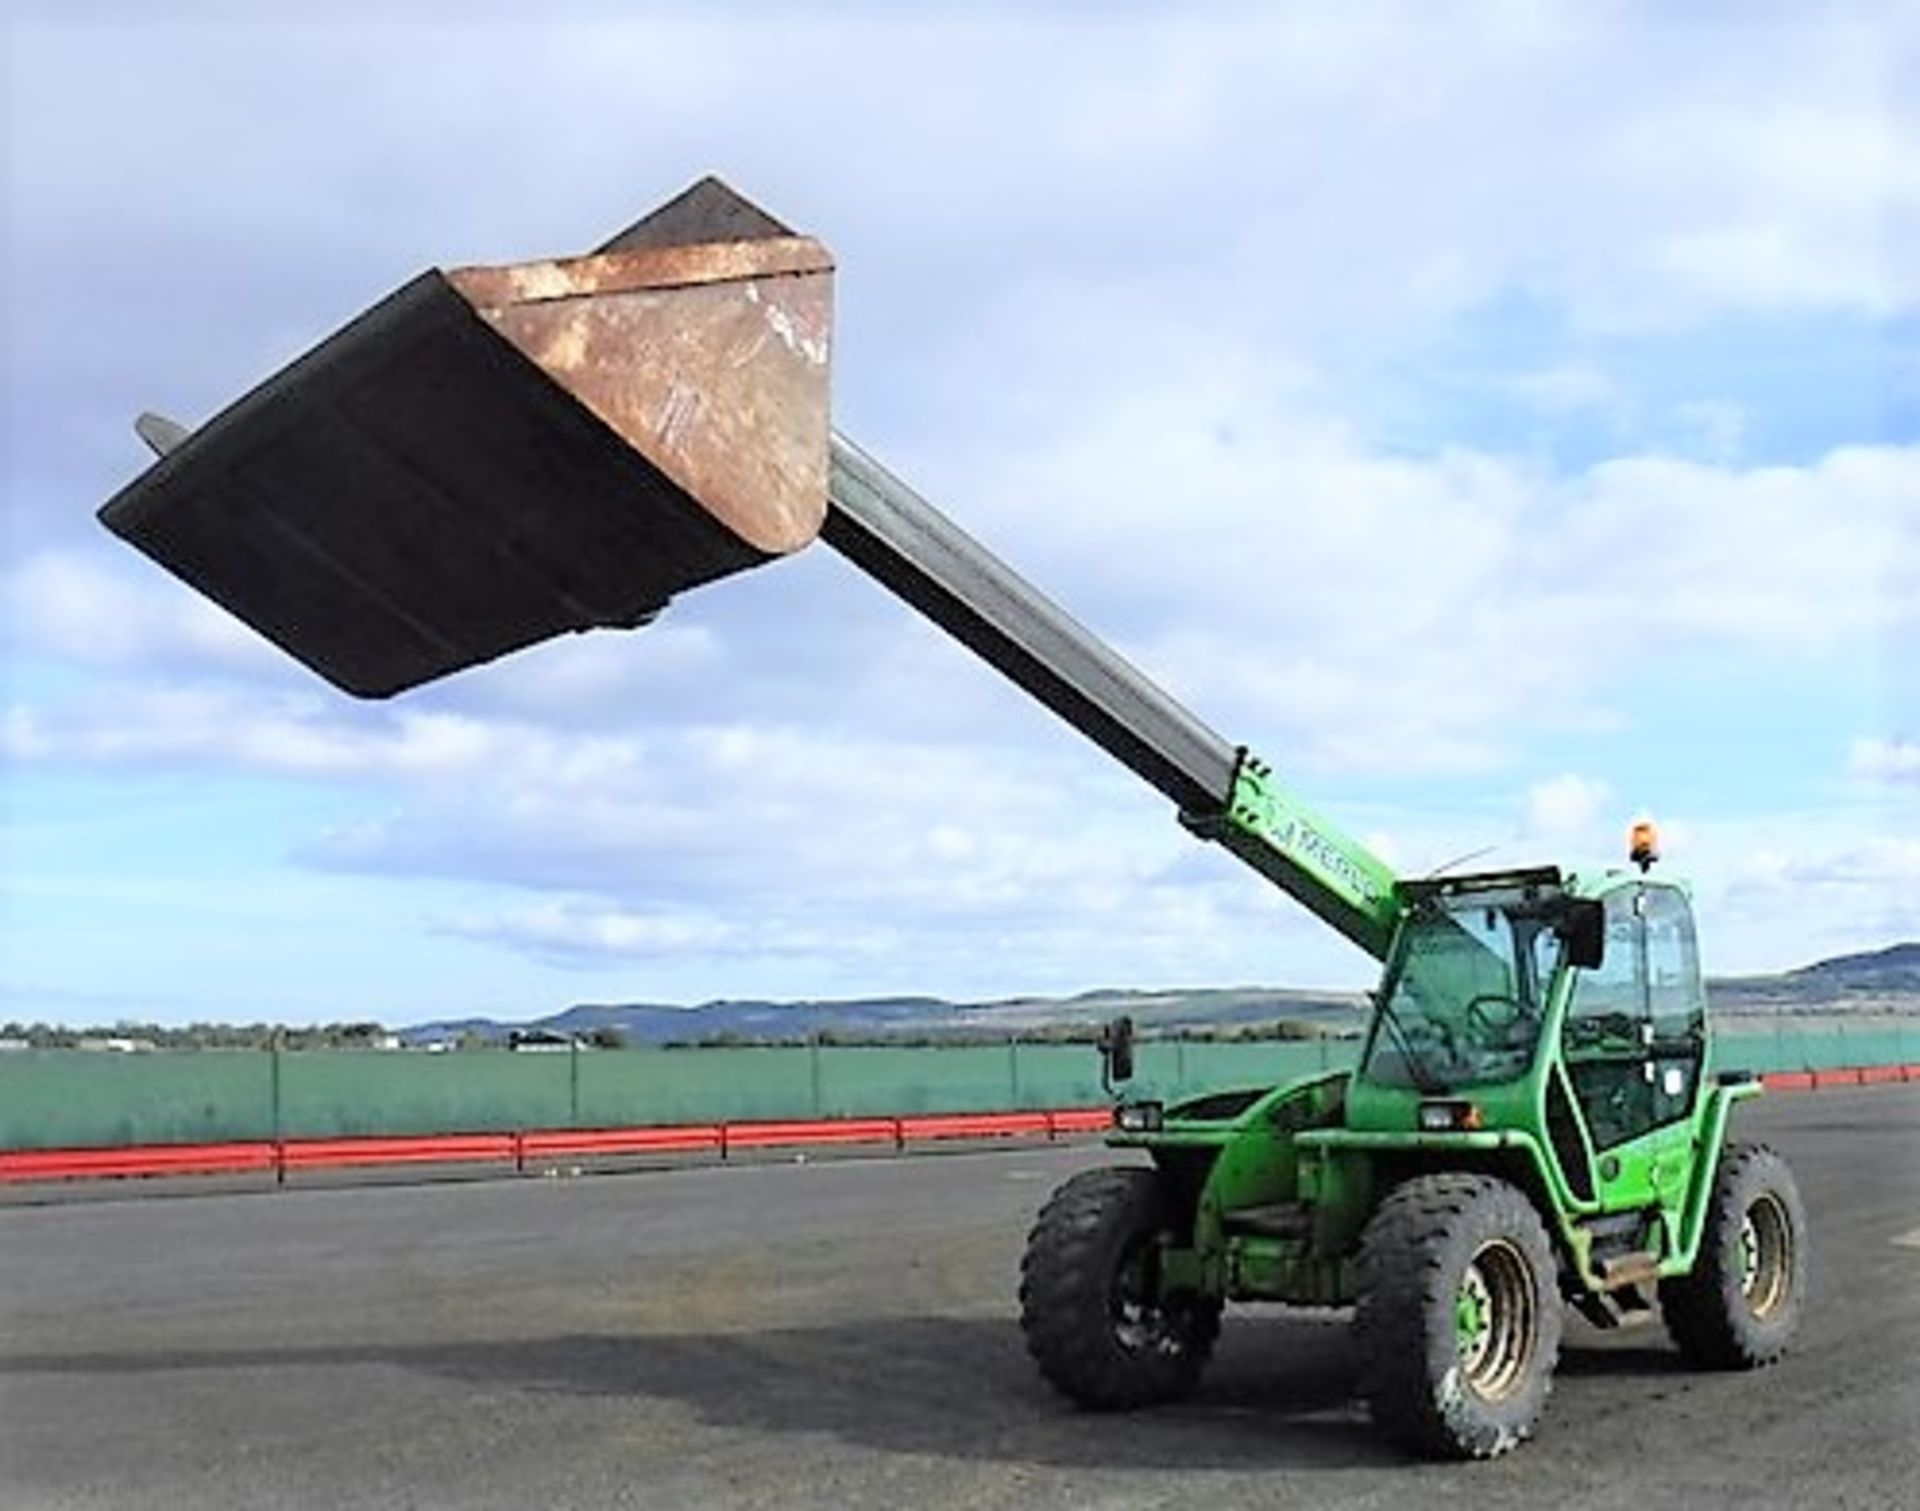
841,1334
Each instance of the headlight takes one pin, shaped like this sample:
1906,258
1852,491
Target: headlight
1448,1117
1138,1117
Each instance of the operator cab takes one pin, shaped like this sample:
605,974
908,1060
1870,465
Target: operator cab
1514,991
1470,979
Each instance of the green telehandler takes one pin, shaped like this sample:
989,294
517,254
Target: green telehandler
491,456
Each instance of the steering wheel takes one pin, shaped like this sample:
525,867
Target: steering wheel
1491,1015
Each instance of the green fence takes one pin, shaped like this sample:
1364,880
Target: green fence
1787,1045
59,1099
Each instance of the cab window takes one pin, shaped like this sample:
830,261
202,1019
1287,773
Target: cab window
1675,1003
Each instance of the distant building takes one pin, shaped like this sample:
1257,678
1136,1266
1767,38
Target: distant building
541,1040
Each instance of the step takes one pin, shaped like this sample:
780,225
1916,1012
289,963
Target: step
1284,1219
1629,1269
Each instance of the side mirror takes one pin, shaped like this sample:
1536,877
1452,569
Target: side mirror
1584,927
1116,1052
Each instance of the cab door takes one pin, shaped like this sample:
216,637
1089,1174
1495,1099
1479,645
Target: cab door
1633,1042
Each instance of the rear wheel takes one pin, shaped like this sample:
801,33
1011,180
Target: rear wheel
1458,1316
1090,1295
1740,1305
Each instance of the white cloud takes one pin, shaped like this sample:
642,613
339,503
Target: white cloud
121,616
1370,615
1712,429
308,734
1885,760
1339,606
1565,388
1789,886
1564,806
1624,166
571,928
1882,861
1393,612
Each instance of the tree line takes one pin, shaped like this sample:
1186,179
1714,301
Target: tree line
370,1036
199,1035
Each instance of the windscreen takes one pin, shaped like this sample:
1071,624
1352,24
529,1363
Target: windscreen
1464,994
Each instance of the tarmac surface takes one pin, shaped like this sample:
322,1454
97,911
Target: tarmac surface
840,1333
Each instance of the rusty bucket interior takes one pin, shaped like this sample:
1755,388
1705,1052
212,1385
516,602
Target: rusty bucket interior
492,456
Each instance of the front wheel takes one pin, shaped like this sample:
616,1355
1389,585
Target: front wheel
1458,1315
1739,1306
1091,1303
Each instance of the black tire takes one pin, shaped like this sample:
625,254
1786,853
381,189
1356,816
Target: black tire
1740,1304
1458,1317
1088,1295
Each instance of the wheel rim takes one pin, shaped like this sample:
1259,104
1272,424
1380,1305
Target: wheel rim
1766,1256
1493,1320
1142,1322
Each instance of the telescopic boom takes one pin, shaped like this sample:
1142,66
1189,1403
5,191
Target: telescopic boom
908,546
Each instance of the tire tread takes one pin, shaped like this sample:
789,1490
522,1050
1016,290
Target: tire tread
1704,1313
1077,1241
1406,1279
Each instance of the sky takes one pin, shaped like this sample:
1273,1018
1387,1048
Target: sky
1503,417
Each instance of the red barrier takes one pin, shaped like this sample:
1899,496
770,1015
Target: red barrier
945,1125
822,1131
150,1159
439,1149
548,1142
1855,1075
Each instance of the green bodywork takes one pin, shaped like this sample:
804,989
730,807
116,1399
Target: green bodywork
1488,1052
1335,876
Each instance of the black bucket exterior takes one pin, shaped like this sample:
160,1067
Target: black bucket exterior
494,456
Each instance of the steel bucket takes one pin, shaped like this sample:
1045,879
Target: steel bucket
495,455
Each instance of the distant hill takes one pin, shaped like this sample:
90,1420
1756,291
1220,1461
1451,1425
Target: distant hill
902,1018
1896,968
1880,981
1875,981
